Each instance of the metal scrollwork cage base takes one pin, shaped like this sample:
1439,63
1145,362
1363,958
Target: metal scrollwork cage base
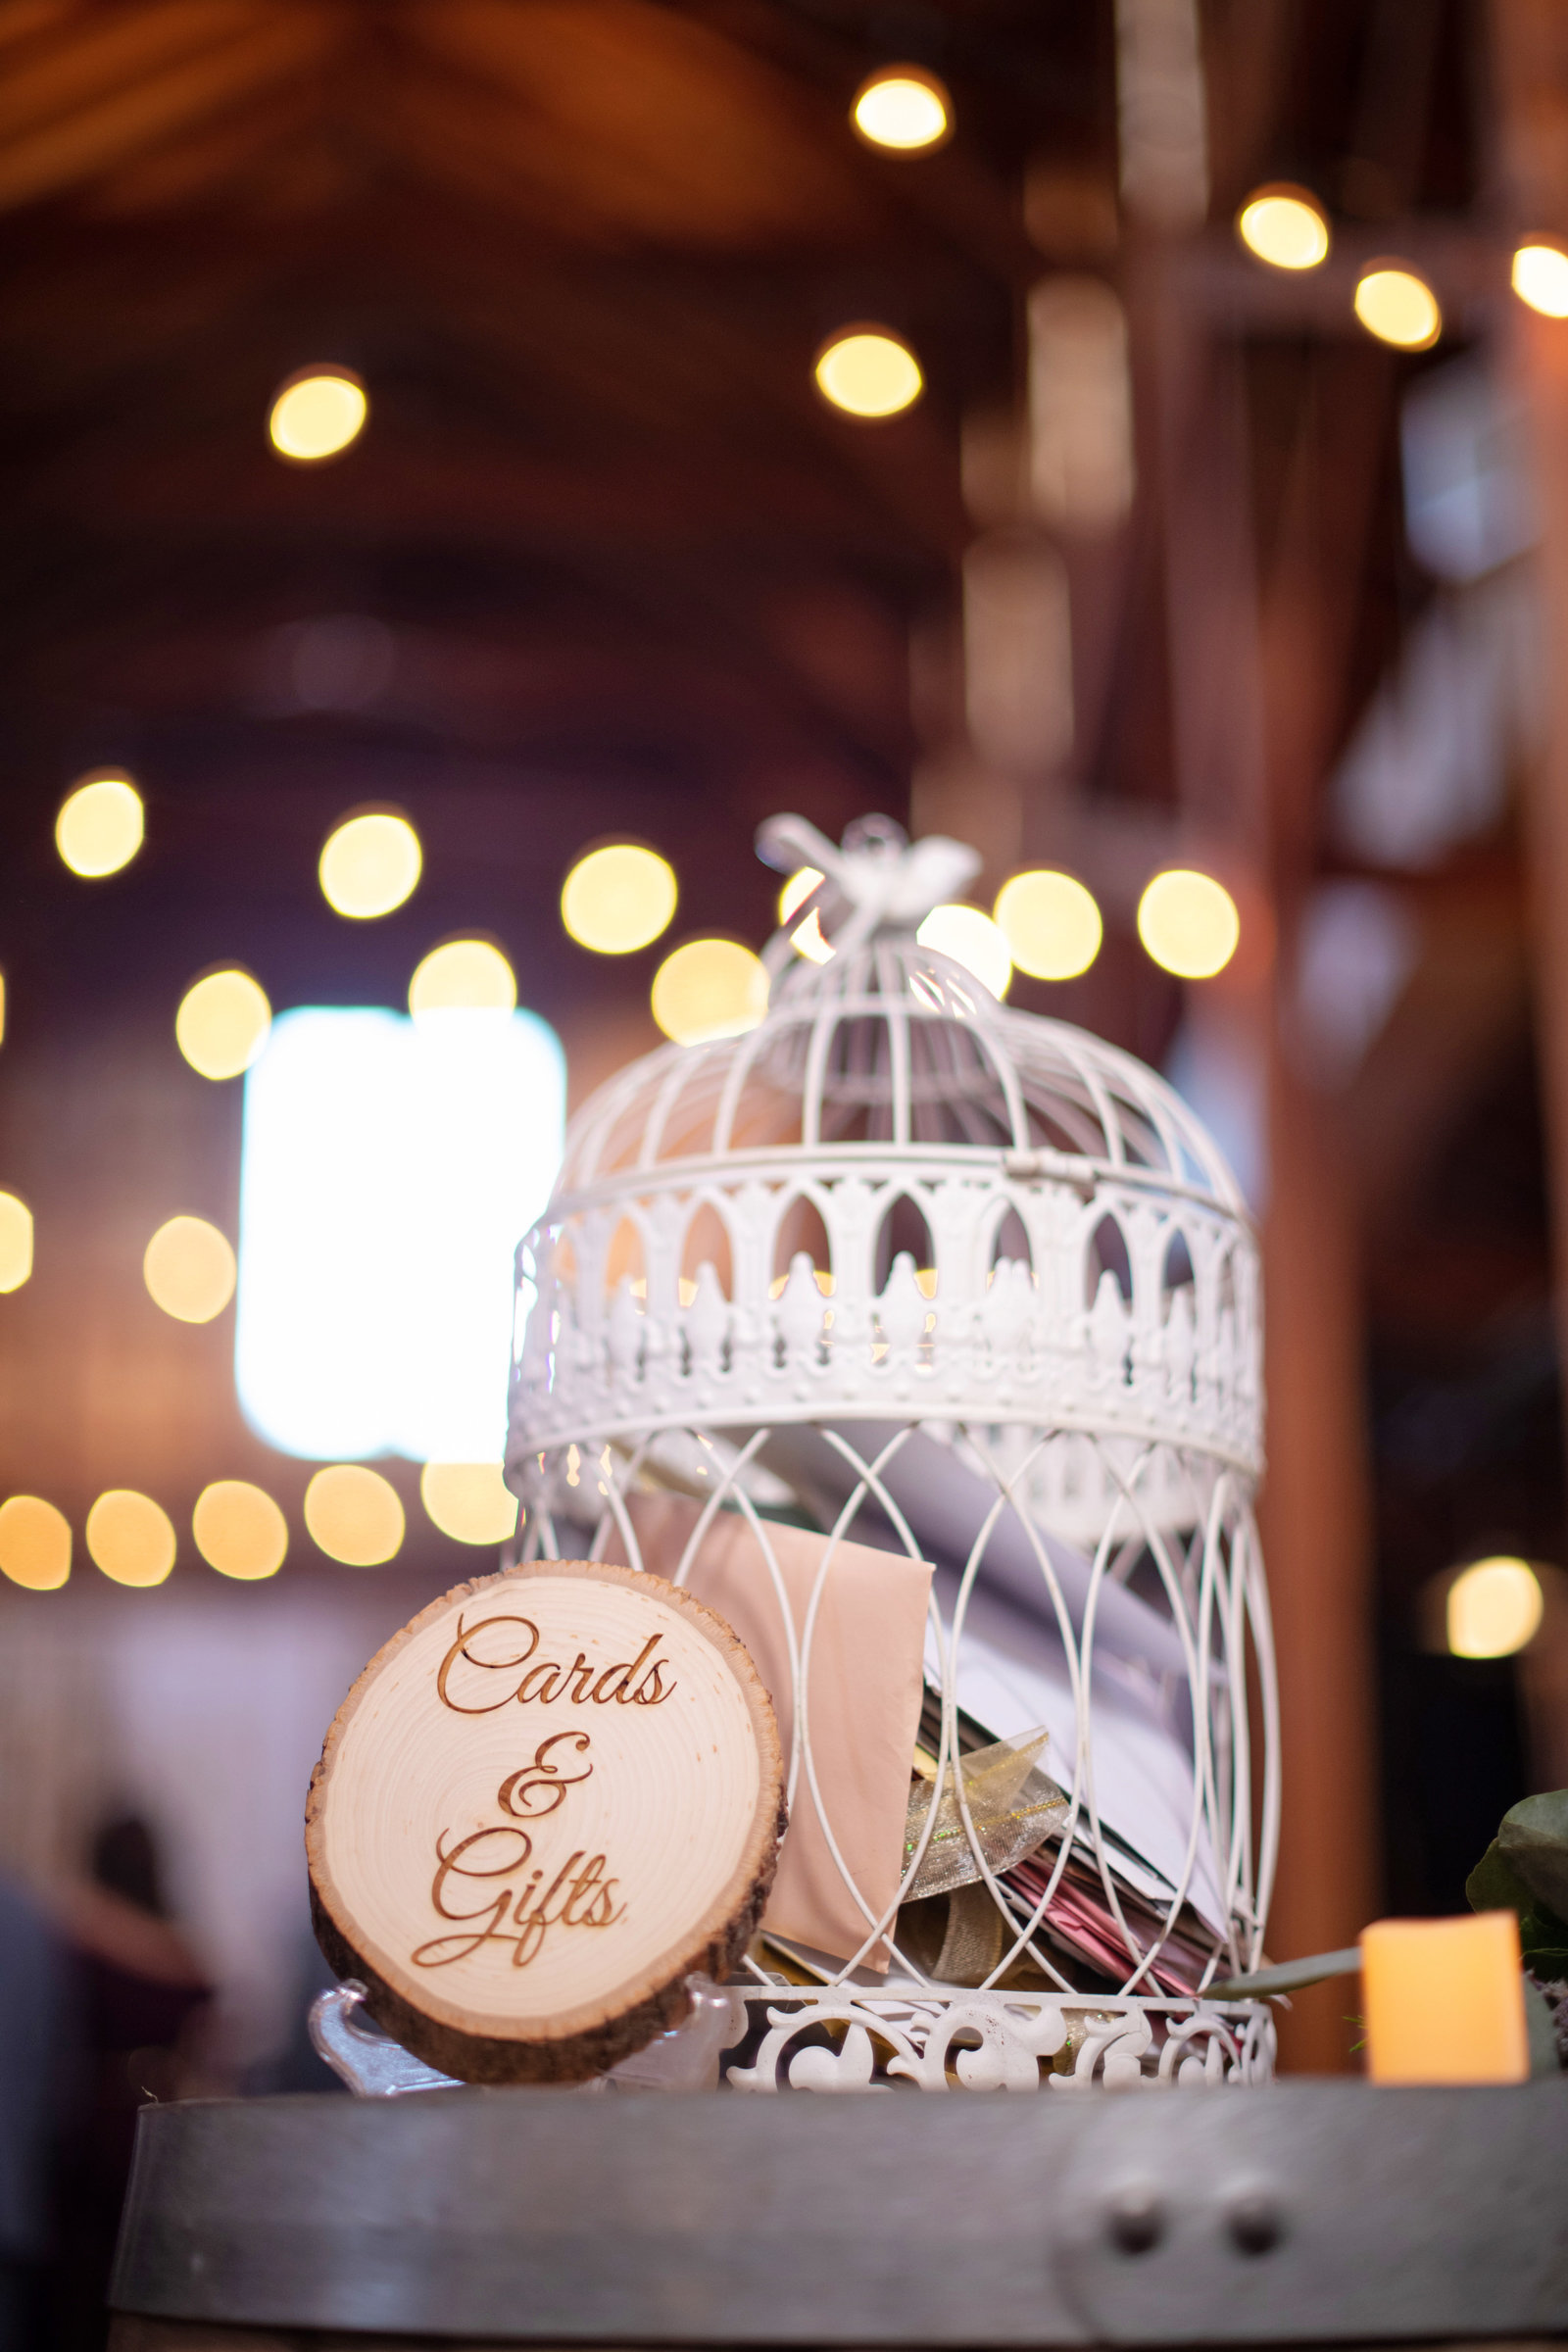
831,2039
926,1274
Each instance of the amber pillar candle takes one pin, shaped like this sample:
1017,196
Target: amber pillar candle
1445,2000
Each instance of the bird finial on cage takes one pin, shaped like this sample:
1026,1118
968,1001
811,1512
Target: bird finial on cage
876,879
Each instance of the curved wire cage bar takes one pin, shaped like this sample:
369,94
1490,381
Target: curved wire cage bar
941,1279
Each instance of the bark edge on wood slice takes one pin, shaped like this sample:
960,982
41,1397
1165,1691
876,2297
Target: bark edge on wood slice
371,1817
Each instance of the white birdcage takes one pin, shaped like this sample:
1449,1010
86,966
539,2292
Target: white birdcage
930,1274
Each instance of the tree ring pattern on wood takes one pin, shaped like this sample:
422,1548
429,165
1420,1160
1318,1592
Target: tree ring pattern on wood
547,1801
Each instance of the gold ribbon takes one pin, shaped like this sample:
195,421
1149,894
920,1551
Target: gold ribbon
1013,1809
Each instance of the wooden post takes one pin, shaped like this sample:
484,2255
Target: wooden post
1256,674
1316,1516
1530,38
1316,1540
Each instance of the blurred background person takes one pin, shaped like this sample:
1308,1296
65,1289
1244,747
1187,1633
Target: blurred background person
37,2019
140,1999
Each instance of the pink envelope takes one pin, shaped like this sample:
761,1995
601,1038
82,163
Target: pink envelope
863,1699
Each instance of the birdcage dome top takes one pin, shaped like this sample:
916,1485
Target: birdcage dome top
893,1194
892,1044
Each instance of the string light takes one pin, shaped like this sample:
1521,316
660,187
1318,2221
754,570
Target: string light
1189,924
796,891
223,1022
710,988
317,413
1540,277
1285,226
973,939
188,1267
1398,307
1495,1608
868,372
370,863
354,1515
463,975
34,1543
130,1538
619,899
470,1501
16,1242
809,940
100,825
904,108
239,1530
1051,923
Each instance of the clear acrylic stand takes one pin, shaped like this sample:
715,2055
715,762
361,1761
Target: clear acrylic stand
375,2067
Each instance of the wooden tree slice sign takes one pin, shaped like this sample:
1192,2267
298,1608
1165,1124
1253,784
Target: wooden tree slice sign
545,1803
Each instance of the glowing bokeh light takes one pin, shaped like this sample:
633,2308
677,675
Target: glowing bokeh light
130,1538
1051,923
868,373
1189,924
1494,1607
710,988
16,1242
1540,277
470,1501
223,1022
188,1267
1398,307
973,939
316,414
34,1543
796,891
1285,226
903,107
100,825
354,1515
809,940
388,1168
619,899
239,1530
370,863
463,975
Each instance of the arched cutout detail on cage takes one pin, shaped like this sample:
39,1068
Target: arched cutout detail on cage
801,1228
1107,1256
1178,1331
706,1241
1178,1271
1009,1238
904,1230
626,1257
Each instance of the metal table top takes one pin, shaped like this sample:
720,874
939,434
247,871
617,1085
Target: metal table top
1311,2212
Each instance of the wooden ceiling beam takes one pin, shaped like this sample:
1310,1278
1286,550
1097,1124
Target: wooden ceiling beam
199,57
950,194
468,490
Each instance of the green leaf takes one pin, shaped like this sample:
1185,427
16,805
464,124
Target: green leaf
1533,1842
1495,1885
1288,1976
1544,1942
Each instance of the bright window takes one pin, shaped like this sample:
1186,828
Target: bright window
390,1168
